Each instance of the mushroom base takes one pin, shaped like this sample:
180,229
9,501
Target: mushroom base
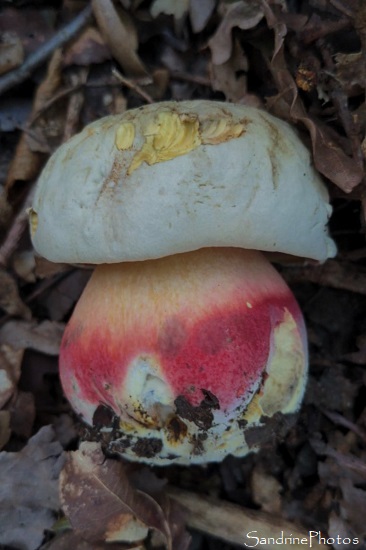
194,353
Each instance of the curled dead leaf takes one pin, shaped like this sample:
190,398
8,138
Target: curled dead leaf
22,411
88,48
245,15
10,363
353,505
44,337
10,300
350,72
119,33
224,77
11,51
29,490
170,7
5,430
93,486
329,158
26,162
200,12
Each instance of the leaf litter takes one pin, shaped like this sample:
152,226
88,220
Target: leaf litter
303,62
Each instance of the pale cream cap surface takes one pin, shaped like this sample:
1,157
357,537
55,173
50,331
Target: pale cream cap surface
175,177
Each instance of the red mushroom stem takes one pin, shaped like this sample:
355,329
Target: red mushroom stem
146,334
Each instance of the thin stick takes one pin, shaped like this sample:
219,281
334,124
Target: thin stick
38,57
232,523
16,231
133,86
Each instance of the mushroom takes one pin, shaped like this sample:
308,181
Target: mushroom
185,332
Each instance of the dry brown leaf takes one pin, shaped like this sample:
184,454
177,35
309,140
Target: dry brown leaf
18,20
26,163
119,33
358,357
245,15
5,430
22,411
350,72
266,490
200,12
29,490
24,265
89,478
46,269
348,464
62,297
11,51
44,337
329,159
71,540
88,48
170,7
5,211
353,506
340,531
10,364
10,300
224,76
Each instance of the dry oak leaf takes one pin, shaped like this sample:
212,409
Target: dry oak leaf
10,300
119,33
170,7
5,430
11,51
10,363
44,337
329,158
101,504
225,77
353,506
72,541
200,12
245,15
29,490
87,49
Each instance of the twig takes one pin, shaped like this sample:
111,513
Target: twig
16,231
186,77
132,86
75,103
38,57
334,274
231,523
343,7
342,421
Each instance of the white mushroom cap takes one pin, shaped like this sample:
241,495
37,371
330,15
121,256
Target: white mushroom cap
175,177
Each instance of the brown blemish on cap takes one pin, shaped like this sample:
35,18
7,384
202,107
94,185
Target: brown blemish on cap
112,179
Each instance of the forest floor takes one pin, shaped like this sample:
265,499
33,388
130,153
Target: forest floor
65,64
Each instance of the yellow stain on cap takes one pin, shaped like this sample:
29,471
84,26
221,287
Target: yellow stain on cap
125,136
217,131
33,221
168,135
